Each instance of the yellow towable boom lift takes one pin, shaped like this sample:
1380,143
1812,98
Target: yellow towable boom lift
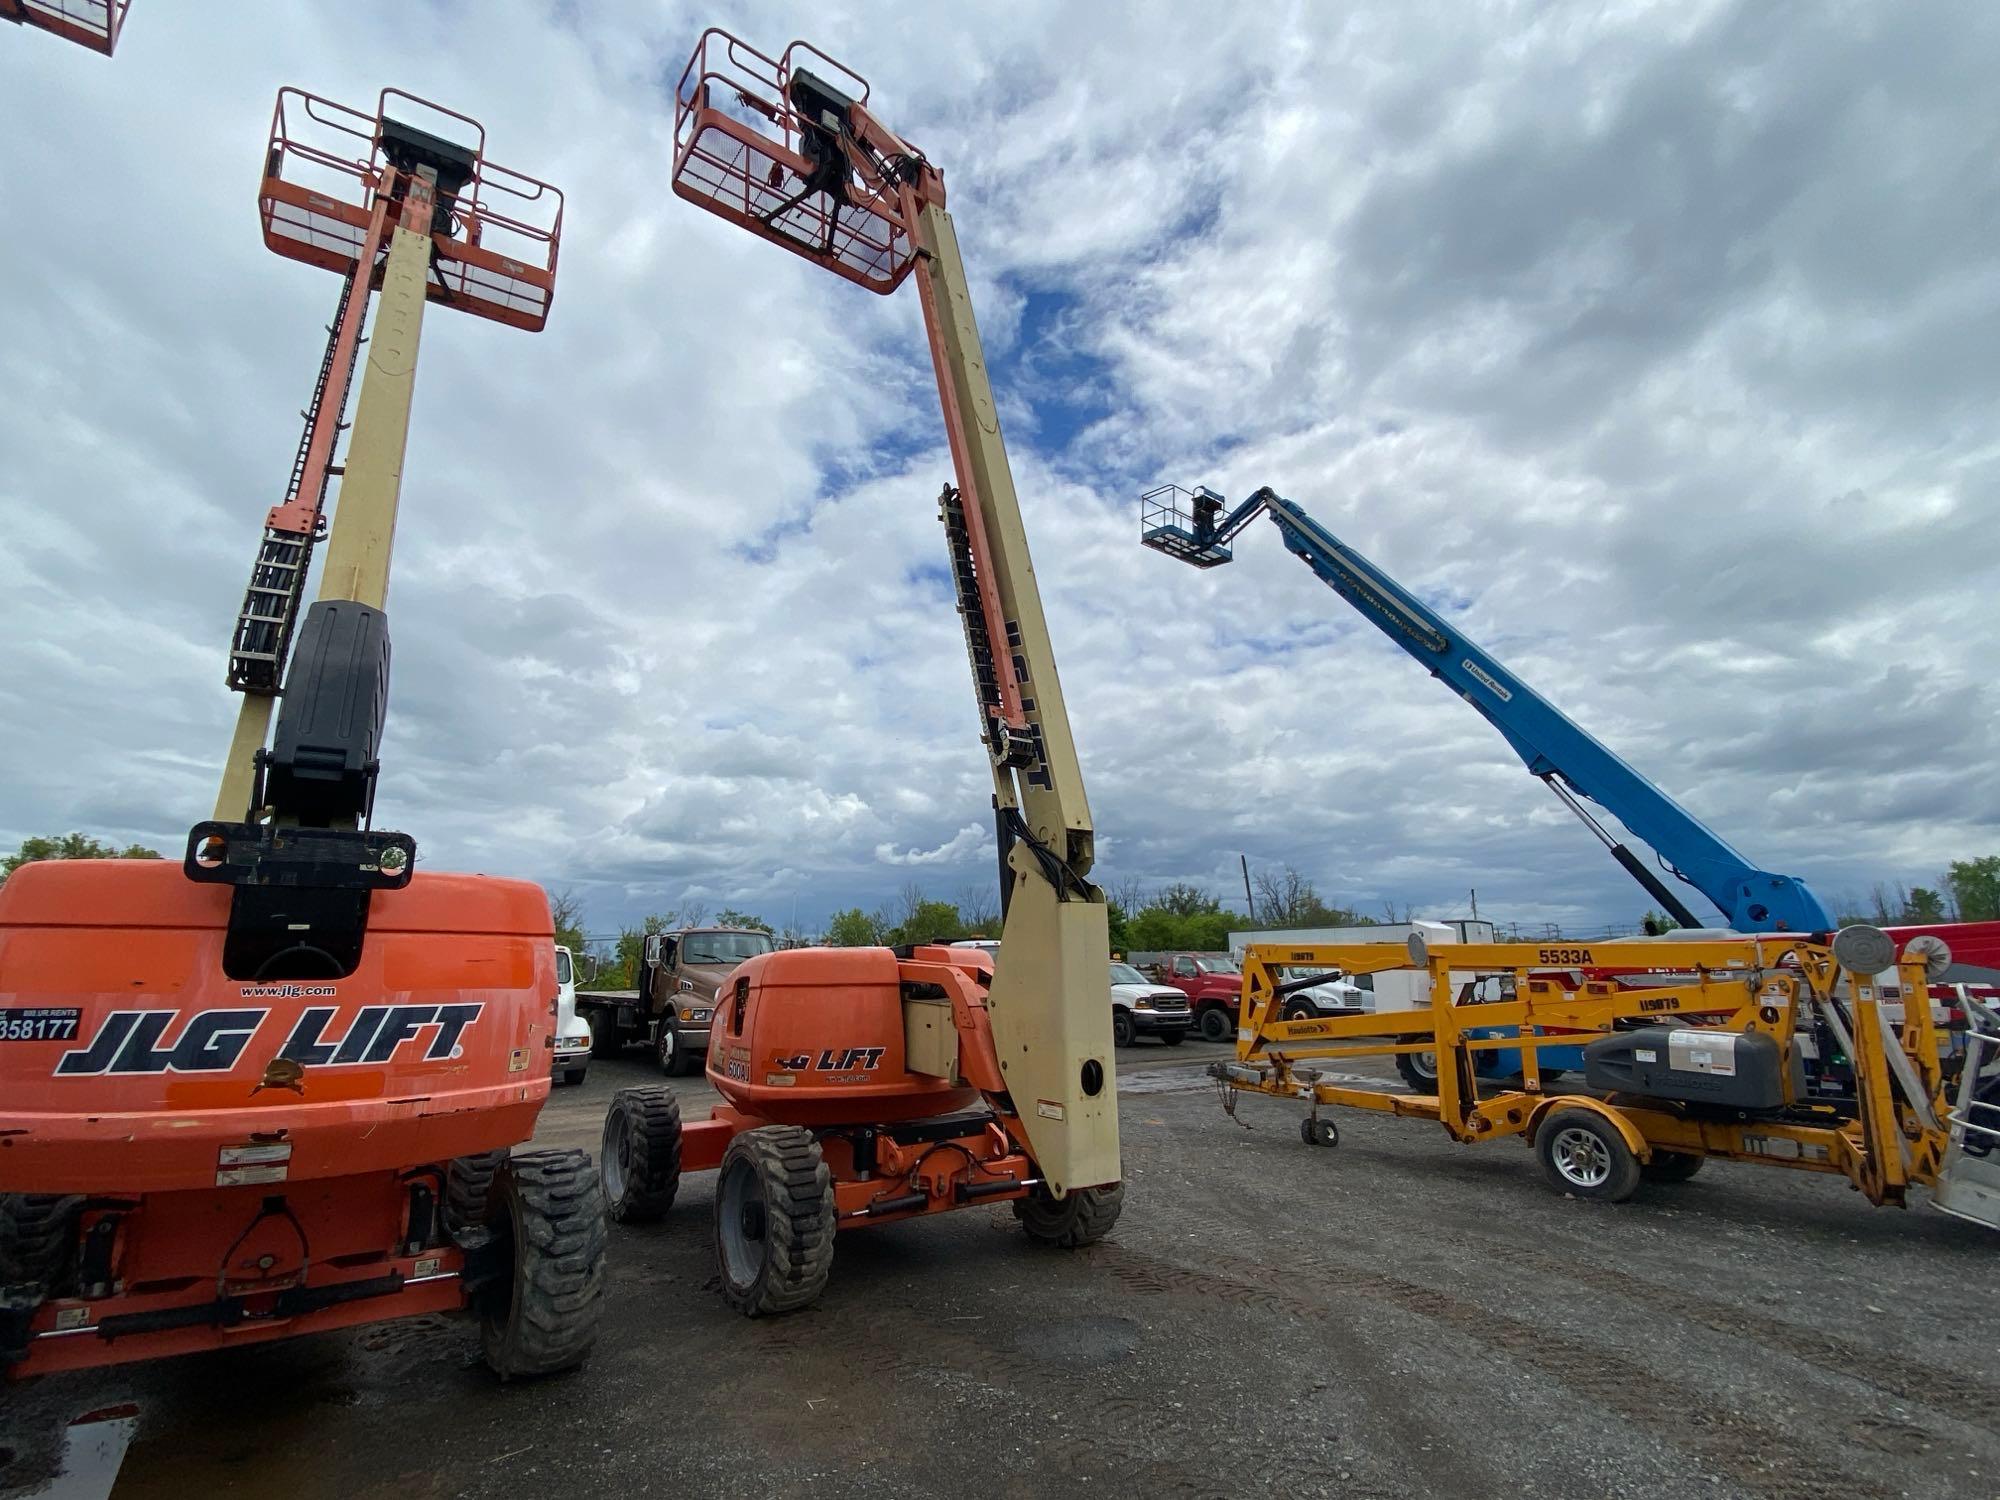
1775,1049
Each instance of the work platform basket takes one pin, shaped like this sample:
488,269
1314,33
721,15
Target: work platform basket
89,23
1181,523
497,231
740,151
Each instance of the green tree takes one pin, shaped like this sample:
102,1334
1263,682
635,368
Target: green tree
1975,886
928,921
1924,905
729,916
853,928
1183,900
1121,932
70,846
621,972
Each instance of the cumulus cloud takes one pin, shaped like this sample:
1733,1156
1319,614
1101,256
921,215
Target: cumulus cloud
959,848
1652,342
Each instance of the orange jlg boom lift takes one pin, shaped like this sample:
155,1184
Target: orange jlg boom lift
866,1085
271,1090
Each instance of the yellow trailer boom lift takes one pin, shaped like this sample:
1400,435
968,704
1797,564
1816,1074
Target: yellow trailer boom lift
1694,1050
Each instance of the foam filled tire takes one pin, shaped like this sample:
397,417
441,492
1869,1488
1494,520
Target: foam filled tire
37,1238
1671,1166
675,1060
639,1154
1583,1154
1173,1038
1082,1218
541,1315
605,1040
1419,1070
1215,1024
468,1188
774,1221
1121,1028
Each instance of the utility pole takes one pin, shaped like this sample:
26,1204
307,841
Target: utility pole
1474,893
1248,900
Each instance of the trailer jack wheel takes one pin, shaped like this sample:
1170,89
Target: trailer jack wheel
774,1220
541,1316
1317,1132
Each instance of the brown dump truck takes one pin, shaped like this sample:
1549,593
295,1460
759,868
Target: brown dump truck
679,975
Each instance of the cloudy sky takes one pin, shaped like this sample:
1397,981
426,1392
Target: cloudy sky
1652,343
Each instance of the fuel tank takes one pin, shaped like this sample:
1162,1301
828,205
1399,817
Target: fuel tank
814,1036
1728,1069
130,1061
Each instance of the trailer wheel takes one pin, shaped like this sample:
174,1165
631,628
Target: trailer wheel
1215,1024
1671,1166
1419,1070
639,1154
1585,1156
605,1040
468,1188
1082,1218
542,1315
774,1221
1121,1027
37,1237
1317,1132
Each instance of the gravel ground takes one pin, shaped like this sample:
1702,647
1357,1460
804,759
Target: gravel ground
1397,1317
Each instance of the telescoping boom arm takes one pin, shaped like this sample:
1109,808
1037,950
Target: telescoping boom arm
789,149
1574,763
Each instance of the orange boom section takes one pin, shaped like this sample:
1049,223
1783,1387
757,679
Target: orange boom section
133,1064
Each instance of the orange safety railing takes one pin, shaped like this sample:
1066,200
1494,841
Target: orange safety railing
496,255
737,153
89,23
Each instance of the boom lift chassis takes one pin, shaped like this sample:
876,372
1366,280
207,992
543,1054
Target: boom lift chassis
1908,1120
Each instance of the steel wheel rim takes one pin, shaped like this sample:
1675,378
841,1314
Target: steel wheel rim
1426,1063
739,1189
667,1042
612,1164
1581,1158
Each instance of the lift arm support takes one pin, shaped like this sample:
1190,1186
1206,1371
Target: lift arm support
1574,763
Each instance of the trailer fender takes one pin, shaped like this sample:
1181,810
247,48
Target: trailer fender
1641,1148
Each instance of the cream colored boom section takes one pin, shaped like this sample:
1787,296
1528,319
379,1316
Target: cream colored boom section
1050,1004
364,521
239,771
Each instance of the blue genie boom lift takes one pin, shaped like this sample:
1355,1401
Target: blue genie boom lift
1193,527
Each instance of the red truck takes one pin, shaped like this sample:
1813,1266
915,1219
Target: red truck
1213,985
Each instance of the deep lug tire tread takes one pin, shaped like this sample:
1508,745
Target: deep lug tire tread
799,1220
648,1119
468,1188
1082,1218
543,1316
37,1237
